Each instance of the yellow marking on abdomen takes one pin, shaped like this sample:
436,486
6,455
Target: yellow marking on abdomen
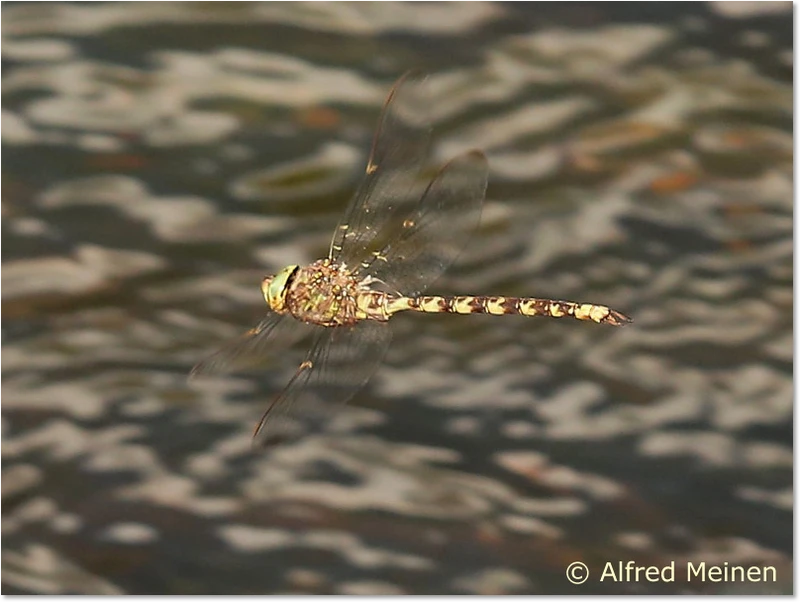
395,304
598,313
429,305
528,307
463,305
583,312
494,306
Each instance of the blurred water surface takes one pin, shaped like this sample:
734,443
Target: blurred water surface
160,158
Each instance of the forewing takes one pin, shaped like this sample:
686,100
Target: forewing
341,360
391,184
430,238
254,347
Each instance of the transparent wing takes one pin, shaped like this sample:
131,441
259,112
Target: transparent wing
431,236
341,360
273,333
399,150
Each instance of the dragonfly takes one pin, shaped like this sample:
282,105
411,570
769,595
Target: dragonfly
399,232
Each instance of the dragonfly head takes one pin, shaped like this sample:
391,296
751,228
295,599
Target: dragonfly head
275,288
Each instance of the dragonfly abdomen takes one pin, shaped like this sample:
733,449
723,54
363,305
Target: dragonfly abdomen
500,306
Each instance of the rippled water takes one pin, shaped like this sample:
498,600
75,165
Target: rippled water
160,158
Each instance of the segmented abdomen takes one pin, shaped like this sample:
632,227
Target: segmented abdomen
526,306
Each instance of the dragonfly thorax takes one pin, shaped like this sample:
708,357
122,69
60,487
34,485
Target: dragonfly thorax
323,293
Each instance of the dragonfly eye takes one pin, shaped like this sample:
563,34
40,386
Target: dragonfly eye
274,288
